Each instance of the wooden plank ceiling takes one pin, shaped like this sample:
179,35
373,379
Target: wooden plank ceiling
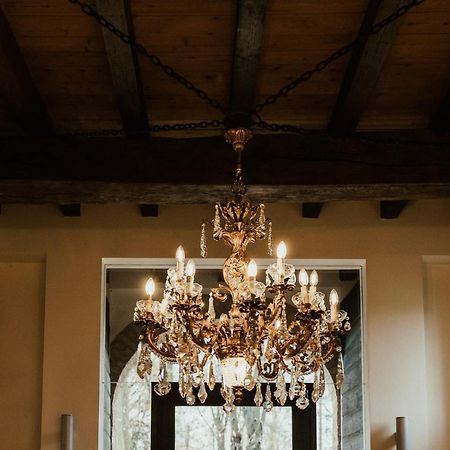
74,76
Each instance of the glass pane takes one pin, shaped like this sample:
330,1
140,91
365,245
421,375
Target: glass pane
247,428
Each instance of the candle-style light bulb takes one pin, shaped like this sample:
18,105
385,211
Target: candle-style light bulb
334,297
334,300
252,269
303,277
190,268
314,278
179,255
281,250
150,287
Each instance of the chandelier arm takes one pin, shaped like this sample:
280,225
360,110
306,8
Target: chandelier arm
261,371
168,356
205,347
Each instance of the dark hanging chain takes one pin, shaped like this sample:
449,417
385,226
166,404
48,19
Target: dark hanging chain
321,65
140,49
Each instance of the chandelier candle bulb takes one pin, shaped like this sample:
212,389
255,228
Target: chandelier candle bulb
190,272
180,262
313,281
304,280
149,290
334,301
281,254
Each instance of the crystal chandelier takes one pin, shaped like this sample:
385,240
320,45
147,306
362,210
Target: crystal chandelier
254,342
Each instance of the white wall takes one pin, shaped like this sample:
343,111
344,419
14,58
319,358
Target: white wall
74,247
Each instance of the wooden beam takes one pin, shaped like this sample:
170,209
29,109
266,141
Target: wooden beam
285,168
149,210
311,210
440,122
124,66
17,87
70,210
391,209
247,46
364,67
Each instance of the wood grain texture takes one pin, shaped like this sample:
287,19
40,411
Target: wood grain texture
247,45
364,67
285,168
17,88
124,66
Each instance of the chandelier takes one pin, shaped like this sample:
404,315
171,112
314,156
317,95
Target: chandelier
254,343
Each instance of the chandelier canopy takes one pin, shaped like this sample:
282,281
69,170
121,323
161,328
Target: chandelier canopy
254,342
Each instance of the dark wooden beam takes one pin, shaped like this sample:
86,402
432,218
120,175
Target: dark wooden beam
391,209
440,122
124,66
284,168
149,210
17,87
247,45
311,210
70,210
364,67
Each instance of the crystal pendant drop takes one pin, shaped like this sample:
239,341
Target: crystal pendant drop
316,389
269,240
163,386
203,247
228,407
211,377
249,380
223,392
216,224
190,397
302,401
144,366
202,394
268,405
322,382
340,372
258,395
211,310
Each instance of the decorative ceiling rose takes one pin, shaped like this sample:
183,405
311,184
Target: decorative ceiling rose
254,342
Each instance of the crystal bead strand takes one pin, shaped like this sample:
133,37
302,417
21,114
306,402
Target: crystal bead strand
262,218
269,240
340,372
216,225
203,247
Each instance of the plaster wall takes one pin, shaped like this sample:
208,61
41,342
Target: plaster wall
396,355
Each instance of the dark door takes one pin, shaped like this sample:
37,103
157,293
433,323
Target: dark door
163,431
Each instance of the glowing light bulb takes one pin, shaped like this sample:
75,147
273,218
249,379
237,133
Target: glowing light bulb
303,277
190,268
180,254
252,269
150,287
334,297
314,278
281,250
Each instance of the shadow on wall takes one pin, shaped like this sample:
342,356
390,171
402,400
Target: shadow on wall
382,438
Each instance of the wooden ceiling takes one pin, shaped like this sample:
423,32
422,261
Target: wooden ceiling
61,72
65,53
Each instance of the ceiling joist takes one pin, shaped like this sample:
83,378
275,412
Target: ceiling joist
17,88
301,168
247,46
124,67
364,67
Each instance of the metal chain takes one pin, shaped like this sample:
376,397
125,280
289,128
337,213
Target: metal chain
321,65
87,9
202,125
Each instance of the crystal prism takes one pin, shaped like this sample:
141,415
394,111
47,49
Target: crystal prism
258,395
340,372
211,377
202,394
268,405
144,366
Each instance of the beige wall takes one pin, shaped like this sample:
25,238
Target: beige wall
73,248
21,341
437,321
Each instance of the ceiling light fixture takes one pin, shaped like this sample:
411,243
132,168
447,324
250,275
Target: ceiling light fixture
253,342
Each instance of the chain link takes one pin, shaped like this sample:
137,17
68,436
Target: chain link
114,132
87,9
321,65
